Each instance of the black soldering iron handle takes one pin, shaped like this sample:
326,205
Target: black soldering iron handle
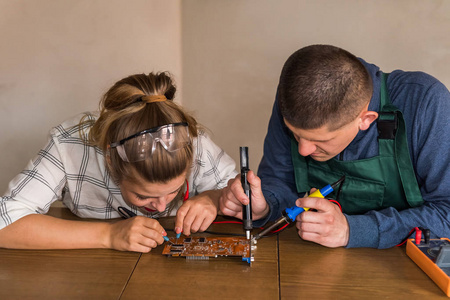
246,209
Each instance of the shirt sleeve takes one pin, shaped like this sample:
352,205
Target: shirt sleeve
429,142
211,168
276,169
35,188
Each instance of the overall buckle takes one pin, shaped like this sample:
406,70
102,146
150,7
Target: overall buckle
387,125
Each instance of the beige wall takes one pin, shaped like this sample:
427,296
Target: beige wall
233,52
58,57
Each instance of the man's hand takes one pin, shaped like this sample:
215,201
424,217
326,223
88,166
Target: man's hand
233,197
327,225
197,213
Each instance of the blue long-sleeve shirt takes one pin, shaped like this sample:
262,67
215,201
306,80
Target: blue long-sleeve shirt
425,104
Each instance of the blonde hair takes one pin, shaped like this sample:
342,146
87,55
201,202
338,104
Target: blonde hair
122,115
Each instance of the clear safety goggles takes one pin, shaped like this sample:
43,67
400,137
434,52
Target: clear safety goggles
141,145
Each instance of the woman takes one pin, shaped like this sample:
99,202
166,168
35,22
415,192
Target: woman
143,153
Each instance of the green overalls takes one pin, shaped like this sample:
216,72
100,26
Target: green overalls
386,180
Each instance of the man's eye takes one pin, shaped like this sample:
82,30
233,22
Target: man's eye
141,197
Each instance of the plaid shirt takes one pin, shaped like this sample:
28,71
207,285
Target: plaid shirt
68,169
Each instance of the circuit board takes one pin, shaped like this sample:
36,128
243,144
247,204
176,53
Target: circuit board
201,248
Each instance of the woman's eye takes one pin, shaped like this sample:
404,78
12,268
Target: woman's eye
141,197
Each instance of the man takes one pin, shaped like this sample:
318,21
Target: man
389,134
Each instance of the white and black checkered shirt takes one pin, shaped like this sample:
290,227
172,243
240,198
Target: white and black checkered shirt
68,169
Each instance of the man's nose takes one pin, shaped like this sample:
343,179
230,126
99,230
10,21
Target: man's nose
306,147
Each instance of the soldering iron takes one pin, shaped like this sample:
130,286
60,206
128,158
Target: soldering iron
289,214
246,209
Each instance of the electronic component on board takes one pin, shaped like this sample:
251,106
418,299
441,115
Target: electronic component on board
176,251
202,248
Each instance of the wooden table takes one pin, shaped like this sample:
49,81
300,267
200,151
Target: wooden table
285,267
217,278
65,274
311,271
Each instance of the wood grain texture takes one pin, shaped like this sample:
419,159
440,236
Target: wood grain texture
158,276
285,267
311,271
64,274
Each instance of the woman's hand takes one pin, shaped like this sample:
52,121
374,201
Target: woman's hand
197,213
139,234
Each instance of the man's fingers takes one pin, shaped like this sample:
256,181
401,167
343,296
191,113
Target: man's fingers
319,204
255,185
238,192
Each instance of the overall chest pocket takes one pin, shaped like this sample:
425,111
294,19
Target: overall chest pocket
357,196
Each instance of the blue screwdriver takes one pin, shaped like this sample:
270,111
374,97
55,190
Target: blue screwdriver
289,214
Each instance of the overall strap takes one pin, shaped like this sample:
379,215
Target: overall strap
392,138
387,122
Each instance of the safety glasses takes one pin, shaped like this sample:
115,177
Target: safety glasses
141,145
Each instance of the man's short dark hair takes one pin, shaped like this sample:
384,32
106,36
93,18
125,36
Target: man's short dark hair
323,85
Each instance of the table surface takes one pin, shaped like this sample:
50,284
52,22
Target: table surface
285,267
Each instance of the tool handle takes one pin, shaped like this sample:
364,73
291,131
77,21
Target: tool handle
294,211
246,209
125,212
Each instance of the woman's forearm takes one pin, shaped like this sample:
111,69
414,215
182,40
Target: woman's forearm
46,232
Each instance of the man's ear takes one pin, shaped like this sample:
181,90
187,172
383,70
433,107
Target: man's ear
367,117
